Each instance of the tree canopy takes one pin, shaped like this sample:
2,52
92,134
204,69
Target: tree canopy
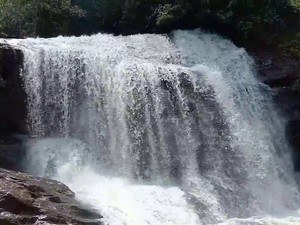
267,22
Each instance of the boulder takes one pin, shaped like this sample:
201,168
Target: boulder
25,199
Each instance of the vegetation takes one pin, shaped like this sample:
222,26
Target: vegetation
249,23
19,18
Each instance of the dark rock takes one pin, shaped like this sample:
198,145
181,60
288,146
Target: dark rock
12,93
282,74
28,200
293,134
277,71
293,130
12,152
13,108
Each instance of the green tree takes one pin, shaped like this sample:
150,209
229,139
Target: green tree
36,17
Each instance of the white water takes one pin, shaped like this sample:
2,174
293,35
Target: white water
119,200
173,130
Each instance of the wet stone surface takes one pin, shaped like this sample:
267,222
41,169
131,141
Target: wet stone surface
28,200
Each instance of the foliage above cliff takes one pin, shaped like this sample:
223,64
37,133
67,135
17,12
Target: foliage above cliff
19,18
248,22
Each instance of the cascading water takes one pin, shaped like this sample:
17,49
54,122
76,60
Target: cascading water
155,129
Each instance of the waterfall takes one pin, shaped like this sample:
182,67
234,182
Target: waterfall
158,129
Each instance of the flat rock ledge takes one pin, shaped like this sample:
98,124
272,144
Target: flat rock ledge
25,199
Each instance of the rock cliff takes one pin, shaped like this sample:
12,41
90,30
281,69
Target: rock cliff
282,75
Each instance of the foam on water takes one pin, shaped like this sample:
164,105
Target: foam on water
119,200
263,221
122,202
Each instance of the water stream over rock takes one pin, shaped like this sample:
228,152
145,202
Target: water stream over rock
156,129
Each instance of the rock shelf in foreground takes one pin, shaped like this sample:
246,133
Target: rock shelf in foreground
25,199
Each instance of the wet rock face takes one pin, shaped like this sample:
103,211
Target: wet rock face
293,134
12,152
28,200
12,93
12,108
282,74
